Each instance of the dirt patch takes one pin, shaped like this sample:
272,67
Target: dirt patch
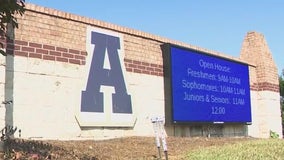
120,148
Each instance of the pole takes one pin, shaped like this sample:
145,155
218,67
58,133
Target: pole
158,144
159,130
163,137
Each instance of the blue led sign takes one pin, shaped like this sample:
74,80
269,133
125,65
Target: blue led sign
207,88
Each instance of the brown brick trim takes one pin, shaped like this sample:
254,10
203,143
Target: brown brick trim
254,87
265,86
46,52
143,67
67,55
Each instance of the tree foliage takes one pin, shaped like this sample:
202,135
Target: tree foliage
281,87
281,84
8,11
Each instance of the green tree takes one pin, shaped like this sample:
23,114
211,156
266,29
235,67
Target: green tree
8,11
281,87
281,84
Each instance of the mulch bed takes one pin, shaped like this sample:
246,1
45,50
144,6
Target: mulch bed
120,148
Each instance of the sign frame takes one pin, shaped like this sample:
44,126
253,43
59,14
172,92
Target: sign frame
169,88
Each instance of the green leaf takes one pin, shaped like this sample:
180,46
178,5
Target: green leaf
3,52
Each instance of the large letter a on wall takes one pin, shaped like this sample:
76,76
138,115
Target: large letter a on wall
105,50
105,99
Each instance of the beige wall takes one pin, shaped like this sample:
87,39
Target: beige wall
47,74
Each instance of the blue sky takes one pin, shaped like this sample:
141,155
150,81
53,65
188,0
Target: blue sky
219,25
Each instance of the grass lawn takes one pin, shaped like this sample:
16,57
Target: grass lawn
264,149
